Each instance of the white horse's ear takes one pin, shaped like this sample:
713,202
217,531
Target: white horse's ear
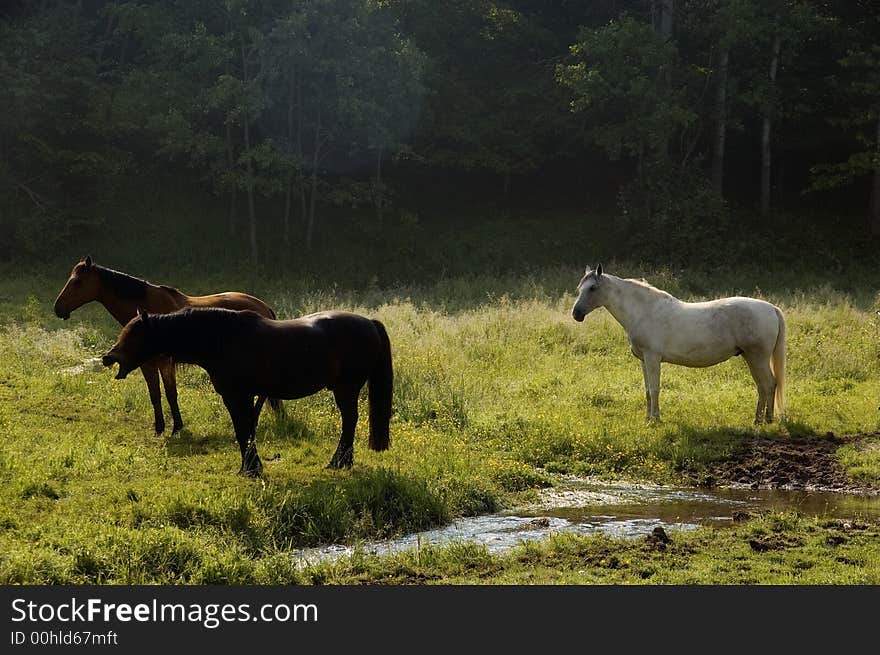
588,269
599,271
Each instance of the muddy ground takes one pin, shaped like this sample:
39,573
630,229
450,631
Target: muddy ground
788,463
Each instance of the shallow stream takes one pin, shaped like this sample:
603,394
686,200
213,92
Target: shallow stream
616,509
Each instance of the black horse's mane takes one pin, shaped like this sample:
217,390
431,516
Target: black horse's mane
186,333
194,323
126,286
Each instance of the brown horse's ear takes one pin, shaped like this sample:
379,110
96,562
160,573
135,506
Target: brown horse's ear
88,261
145,317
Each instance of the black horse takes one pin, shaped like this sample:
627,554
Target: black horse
247,355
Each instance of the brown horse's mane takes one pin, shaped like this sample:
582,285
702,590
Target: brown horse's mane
127,286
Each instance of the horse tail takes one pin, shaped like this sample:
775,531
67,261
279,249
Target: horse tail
274,403
777,364
381,382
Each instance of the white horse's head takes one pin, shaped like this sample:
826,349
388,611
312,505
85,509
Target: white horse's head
590,294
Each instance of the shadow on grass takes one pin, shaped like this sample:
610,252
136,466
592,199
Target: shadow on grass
364,503
271,426
187,444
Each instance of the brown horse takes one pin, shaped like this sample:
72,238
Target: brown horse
122,295
248,355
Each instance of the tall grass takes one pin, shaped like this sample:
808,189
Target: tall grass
495,388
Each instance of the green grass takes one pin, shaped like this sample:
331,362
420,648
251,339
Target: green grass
787,550
495,388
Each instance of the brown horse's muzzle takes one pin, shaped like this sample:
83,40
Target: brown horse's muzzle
61,312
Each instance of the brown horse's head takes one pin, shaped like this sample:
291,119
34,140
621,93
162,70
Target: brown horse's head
83,286
133,347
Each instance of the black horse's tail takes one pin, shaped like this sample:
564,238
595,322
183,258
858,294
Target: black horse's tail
381,383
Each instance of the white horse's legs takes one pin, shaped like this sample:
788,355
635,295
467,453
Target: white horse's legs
651,371
759,365
647,393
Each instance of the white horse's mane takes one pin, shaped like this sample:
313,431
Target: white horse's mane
642,282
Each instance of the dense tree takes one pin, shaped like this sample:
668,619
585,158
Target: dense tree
282,108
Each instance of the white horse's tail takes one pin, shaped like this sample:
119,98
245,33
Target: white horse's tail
777,365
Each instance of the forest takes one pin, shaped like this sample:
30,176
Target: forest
667,116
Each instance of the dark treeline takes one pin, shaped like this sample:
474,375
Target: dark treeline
667,111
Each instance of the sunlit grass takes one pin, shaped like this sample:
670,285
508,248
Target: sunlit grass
490,396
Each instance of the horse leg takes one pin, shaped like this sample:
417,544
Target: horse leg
258,407
651,369
151,375
759,366
347,402
647,393
241,410
277,406
169,379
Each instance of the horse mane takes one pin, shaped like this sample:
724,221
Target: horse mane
644,284
128,286
172,290
195,329
204,320
122,284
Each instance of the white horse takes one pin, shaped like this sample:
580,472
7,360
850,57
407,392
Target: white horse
662,328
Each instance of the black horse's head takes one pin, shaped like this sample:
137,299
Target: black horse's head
133,347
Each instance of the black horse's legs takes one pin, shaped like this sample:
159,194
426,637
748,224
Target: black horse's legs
241,409
258,407
347,402
277,406
151,375
169,379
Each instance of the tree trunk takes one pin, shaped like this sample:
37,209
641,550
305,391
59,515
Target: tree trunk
249,167
313,194
380,204
720,125
230,163
230,166
303,207
289,190
662,24
875,192
667,7
766,129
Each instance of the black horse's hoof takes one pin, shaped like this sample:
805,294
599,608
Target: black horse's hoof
176,428
160,428
340,463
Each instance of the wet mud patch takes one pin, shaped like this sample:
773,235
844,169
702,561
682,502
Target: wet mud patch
808,463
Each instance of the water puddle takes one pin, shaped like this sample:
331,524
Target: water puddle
91,365
619,510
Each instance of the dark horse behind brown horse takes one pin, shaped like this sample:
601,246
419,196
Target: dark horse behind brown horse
122,295
247,355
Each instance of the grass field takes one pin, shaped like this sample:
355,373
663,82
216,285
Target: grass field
496,389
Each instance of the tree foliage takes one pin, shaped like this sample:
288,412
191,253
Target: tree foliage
283,109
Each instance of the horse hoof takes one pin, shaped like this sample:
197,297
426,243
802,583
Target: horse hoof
251,473
337,464
160,428
177,428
